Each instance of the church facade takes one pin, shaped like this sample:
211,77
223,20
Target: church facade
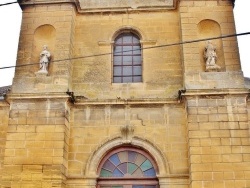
126,94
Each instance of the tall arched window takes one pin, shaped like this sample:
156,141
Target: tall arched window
127,60
127,168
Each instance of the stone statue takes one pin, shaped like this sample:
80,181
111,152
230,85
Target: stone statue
211,57
44,60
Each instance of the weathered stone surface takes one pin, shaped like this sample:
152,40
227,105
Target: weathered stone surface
55,130
93,4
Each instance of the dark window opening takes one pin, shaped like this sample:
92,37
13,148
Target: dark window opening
127,60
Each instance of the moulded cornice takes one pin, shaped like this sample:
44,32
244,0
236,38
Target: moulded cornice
217,92
37,96
91,6
119,101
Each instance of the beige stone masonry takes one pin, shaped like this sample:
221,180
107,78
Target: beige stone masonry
218,157
4,113
36,142
56,129
60,18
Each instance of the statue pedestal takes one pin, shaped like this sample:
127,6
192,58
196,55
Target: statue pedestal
41,73
213,68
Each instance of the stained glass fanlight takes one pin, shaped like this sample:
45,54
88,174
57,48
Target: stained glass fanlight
129,167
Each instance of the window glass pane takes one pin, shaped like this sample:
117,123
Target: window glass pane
139,159
123,156
127,50
123,167
118,71
138,186
137,79
137,70
118,50
138,173
137,59
117,60
136,50
136,40
127,79
131,156
127,71
127,39
105,173
127,60
118,40
109,166
117,173
150,173
114,159
131,168
117,80
146,165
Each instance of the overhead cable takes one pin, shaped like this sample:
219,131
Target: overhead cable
146,48
8,3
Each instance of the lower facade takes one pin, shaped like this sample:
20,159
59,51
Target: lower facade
197,141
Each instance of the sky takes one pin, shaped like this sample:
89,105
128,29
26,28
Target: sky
10,19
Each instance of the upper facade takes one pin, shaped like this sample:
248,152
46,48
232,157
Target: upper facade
125,49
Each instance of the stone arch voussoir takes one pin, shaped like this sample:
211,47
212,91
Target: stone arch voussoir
102,150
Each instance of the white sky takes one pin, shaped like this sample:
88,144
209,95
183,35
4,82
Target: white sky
10,19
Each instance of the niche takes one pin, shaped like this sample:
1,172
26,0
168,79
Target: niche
208,29
44,35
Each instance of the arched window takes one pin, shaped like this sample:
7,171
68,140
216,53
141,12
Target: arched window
127,168
127,60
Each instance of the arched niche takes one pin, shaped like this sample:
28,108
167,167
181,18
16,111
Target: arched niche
208,29
44,35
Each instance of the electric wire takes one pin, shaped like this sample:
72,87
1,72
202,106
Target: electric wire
8,3
146,48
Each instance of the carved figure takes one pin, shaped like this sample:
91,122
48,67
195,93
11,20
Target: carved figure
44,59
127,132
211,57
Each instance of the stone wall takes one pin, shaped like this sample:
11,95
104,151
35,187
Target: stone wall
36,31
218,133
36,144
95,34
4,114
195,124
215,13
161,125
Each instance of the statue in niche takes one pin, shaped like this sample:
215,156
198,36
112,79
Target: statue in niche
211,58
44,60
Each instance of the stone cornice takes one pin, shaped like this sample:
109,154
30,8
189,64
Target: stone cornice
37,2
212,92
87,6
37,96
162,101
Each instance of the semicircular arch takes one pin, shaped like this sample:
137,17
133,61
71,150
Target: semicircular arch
130,29
101,151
